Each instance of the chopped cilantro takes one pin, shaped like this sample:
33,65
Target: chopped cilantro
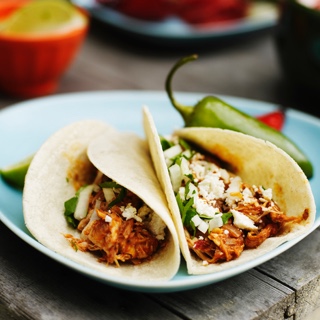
186,210
165,144
119,198
188,223
70,207
109,184
225,217
184,144
190,177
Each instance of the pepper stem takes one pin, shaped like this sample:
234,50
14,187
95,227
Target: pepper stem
185,111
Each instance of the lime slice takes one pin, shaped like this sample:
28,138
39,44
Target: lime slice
15,174
43,17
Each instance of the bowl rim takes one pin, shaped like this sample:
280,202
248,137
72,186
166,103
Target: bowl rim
12,5
306,8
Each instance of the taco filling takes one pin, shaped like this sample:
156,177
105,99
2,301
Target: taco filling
85,201
222,215
114,223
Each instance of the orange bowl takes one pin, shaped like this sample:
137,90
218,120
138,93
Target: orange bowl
31,66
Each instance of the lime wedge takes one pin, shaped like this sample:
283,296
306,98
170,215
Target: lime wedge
15,174
43,17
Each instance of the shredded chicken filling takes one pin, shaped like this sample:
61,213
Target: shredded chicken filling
123,232
222,215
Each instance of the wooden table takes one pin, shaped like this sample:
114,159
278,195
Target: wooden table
288,287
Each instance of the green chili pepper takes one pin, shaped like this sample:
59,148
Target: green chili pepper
213,112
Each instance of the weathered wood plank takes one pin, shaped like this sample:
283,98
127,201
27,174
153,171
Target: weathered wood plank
36,287
248,296
31,292
299,268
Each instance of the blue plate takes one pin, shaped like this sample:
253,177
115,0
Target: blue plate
25,126
262,15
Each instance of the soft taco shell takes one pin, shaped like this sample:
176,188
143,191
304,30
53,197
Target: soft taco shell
48,185
257,162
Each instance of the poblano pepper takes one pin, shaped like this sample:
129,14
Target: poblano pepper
214,112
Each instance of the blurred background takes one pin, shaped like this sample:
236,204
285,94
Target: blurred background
132,45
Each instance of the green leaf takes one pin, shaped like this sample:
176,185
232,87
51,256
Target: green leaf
226,216
109,184
71,204
165,144
119,198
190,213
70,207
184,144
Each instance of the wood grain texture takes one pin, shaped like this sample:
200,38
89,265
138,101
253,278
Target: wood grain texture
302,277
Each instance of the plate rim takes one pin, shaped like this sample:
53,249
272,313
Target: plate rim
182,31
174,284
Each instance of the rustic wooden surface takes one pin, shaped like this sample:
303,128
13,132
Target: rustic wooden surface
287,287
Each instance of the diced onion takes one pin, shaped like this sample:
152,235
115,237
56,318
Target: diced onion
216,222
108,194
196,220
203,227
175,176
200,224
172,153
83,202
185,167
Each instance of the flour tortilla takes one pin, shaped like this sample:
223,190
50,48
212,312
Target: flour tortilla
46,189
257,162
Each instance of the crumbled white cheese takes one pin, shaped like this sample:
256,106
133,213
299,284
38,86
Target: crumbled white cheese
211,187
203,207
248,196
241,221
267,193
233,193
157,226
198,170
107,218
130,212
224,175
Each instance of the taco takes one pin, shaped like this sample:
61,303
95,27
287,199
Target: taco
233,197
83,202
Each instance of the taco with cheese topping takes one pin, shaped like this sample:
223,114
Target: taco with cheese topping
233,197
103,211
